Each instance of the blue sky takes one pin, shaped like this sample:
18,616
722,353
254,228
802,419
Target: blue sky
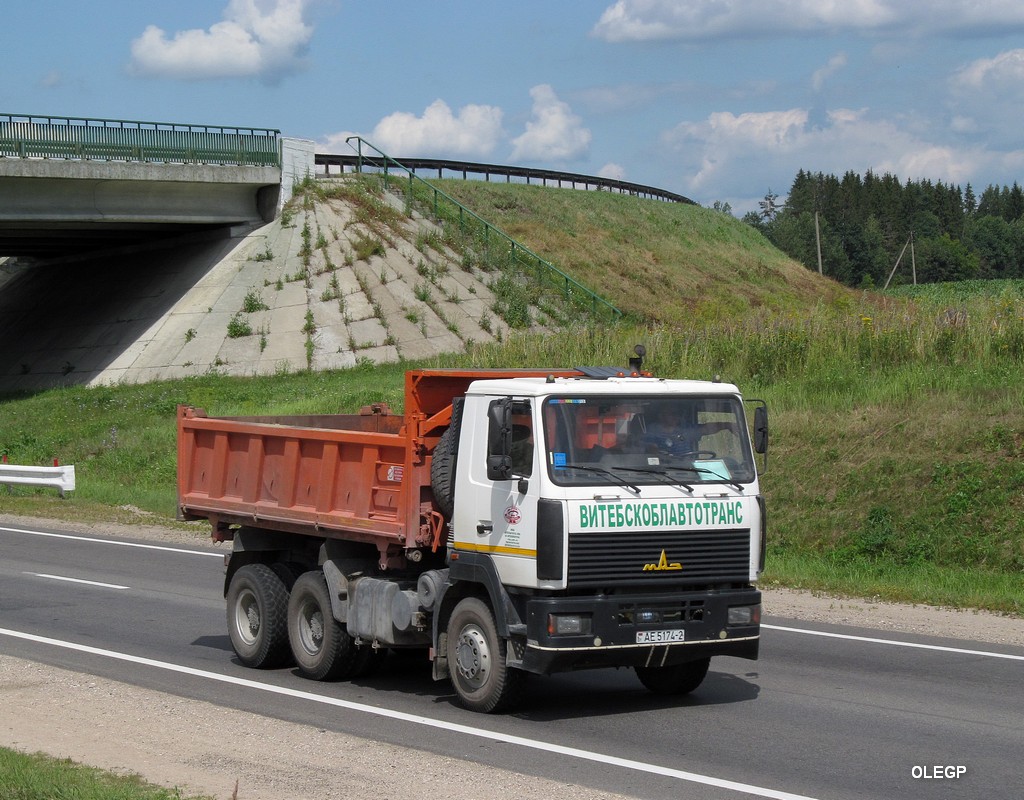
720,100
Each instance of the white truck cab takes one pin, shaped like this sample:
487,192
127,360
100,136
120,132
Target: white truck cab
619,518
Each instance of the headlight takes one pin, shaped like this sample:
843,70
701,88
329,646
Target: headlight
569,624
744,615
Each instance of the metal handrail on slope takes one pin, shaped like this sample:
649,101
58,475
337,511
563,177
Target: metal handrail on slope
542,177
86,139
572,290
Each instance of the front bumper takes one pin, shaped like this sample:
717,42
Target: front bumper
615,621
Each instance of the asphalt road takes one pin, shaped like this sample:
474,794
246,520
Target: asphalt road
827,712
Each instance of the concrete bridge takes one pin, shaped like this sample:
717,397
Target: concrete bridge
79,186
129,252
105,225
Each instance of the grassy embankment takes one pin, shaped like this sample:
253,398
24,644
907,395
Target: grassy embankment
897,422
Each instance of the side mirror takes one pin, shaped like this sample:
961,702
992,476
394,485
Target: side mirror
499,440
761,429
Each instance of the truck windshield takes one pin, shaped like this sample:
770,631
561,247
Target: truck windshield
644,440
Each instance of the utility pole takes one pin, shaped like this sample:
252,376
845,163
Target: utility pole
910,244
817,239
913,260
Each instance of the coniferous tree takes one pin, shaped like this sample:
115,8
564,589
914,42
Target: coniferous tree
970,201
990,204
865,222
1015,205
992,240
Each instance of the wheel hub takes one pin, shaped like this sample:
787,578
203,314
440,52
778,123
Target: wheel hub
253,615
247,616
473,657
311,629
316,629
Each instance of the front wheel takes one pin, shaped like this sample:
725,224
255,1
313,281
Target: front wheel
322,648
675,679
476,660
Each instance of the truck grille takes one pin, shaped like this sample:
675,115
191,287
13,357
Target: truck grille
607,558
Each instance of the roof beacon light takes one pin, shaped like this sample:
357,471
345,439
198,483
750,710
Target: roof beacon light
636,364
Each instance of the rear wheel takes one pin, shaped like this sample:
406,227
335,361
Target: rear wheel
676,679
476,660
257,606
322,648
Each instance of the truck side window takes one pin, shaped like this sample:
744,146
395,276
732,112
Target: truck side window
522,444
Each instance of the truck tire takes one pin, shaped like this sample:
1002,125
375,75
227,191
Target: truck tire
675,679
443,463
257,605
442,474
476,660
321,646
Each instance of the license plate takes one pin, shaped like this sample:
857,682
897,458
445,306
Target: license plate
660,637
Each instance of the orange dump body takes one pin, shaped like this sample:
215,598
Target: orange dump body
362,477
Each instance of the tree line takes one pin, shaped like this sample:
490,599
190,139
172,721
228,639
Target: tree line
865,222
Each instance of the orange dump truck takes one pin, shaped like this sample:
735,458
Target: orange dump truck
509,522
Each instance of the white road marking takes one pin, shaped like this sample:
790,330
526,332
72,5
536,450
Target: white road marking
115,542
415,719
76,580
894,642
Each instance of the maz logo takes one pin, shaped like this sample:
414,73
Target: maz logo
662,565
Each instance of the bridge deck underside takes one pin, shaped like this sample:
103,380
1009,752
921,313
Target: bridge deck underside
51,208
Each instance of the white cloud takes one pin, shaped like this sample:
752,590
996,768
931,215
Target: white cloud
475,131
248,42
51,79
960,124
985,96
697,20
612,170
729,155
836,63
1006,70
772,129
621,98
554,134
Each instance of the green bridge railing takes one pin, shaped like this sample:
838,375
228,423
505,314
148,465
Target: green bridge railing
491,237
28,136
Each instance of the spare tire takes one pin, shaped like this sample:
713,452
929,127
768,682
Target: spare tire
444,463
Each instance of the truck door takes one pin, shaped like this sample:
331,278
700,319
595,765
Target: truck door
504,493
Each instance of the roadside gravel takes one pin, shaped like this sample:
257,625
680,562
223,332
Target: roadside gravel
202,748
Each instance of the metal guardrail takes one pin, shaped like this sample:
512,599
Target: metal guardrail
543,176
55,477
571,289
85,139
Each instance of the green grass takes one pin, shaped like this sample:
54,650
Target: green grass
40,777
667,263
921,583
880,468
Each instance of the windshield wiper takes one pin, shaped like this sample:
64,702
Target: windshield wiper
601,470
663,474
706,471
